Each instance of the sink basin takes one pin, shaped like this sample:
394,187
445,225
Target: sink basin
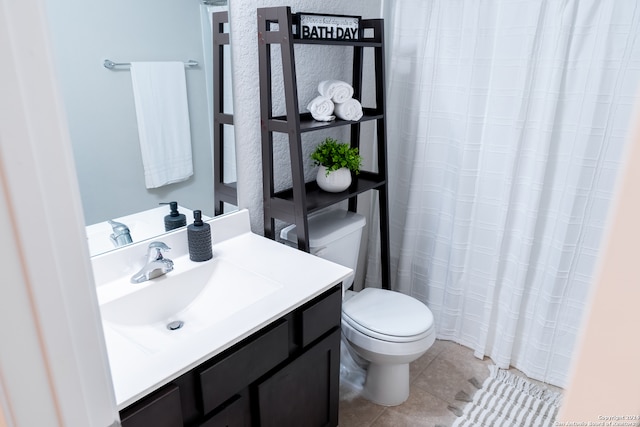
189,301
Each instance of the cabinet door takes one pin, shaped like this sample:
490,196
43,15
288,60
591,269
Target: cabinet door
235,413
244,365
305,392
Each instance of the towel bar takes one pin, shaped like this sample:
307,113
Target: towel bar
111,65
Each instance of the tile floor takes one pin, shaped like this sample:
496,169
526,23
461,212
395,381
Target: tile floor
436,378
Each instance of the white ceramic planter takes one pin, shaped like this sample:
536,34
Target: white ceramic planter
336,181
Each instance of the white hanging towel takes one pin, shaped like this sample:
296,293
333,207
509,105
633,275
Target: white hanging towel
160,93
337,90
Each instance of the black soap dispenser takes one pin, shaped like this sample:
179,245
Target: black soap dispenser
175,219
199,238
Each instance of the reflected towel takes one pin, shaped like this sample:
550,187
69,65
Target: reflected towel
349,110
160,94
337,90
321,109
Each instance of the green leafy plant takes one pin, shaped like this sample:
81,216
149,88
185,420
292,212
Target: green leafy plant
334,155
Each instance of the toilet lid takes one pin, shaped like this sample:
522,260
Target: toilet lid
388,313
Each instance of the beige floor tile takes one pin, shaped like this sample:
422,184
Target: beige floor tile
436,378
358,412
421,409
444,345
465,362
444,378
423,361
438,347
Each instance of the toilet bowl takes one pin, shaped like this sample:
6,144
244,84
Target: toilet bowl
387,330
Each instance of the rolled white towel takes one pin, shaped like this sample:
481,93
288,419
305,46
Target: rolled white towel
337,90
321,108
349,110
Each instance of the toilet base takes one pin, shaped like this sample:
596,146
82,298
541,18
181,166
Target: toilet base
387,384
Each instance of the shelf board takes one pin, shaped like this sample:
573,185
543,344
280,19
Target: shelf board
348,43
226,192
308,124
318,199
223,118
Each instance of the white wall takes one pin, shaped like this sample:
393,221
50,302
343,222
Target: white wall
604,380
99,102
53,362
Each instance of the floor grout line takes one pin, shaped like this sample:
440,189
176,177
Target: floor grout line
378,417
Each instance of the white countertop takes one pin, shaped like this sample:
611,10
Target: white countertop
136,371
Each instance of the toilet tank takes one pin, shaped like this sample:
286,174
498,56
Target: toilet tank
333,235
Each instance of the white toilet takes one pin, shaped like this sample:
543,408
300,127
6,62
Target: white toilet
387,329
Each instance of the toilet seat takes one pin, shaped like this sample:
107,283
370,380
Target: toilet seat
388,316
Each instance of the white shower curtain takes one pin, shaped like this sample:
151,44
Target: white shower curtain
507,124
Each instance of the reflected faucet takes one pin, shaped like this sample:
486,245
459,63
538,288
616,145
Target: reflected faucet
120,235
156,265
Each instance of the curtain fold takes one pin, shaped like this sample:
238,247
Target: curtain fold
507,121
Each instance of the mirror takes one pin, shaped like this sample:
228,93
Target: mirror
101,112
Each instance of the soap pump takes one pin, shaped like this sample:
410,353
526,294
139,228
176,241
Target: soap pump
175,219
199,238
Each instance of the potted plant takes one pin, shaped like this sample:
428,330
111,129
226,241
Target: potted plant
336,160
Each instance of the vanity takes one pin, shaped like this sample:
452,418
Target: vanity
260,343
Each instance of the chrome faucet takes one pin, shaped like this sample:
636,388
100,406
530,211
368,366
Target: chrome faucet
156,265
120,235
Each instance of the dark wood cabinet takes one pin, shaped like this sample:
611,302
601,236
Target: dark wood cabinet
233,413
286,399
286,374
160,409
244,366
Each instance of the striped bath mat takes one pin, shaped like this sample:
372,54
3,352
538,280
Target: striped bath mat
509,400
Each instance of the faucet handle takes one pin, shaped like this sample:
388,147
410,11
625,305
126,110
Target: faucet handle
156,249
161,245
121,235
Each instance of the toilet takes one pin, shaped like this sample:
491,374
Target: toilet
385,329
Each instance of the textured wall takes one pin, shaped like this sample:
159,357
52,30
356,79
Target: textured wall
313,64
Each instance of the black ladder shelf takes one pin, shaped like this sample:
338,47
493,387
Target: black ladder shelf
224,192
293,205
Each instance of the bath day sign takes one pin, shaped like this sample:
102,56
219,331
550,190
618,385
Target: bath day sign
328,27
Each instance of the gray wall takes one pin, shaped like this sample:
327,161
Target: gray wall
99,102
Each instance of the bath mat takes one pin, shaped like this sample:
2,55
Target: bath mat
506,399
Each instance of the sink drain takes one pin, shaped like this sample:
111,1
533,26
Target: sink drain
176,324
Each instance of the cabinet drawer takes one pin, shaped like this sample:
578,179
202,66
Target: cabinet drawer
160,409
225,378
321,315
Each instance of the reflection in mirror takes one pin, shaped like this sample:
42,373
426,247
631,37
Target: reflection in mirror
104,117
224,149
